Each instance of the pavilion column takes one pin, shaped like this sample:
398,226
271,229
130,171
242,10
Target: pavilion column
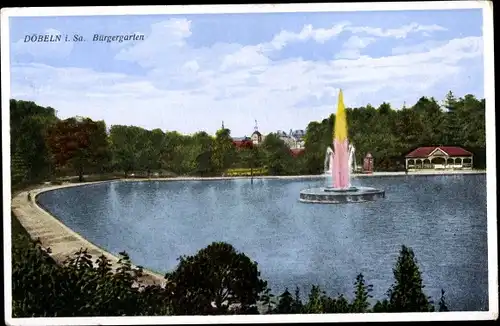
471,165
406,160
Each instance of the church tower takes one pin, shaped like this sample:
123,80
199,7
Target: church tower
256,135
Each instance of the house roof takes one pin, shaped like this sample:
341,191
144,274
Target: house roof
448,150
242,141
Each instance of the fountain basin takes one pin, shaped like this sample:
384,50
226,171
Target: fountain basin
337,190
330,195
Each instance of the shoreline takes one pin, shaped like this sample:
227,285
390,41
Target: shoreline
312,176
63,241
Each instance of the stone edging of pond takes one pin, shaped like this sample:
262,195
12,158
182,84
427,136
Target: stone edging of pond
53,234
284,177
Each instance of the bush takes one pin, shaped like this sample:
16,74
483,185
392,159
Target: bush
41,288
217,280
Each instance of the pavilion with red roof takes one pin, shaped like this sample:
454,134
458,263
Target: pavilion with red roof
439,157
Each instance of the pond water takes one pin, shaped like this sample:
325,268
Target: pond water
443,218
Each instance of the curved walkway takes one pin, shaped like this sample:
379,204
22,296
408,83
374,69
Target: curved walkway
53,234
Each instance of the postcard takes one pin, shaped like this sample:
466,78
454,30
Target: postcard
249,163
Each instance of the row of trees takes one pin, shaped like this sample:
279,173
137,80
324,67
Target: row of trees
389,134
43,145
216,280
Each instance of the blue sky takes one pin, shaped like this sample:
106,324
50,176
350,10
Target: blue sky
282,69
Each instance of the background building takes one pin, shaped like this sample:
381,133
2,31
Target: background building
294,138
439,157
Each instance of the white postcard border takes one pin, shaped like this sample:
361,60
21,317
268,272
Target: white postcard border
489,95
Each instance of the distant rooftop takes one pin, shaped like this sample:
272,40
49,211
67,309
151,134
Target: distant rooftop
298,134
448,150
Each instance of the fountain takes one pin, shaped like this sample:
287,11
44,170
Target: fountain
338,164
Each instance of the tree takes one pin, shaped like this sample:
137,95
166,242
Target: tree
442,302
297,306
134,148
30,158
174,152
79,143
472,116
384,108
267,300
382,306
410,127
122,149
251,157
314,304
314,148
406,294
285,303
203,150
433,120
214,280
224,151
150,147
278,158
361,295
452,132
342,305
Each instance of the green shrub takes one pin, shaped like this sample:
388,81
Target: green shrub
41,288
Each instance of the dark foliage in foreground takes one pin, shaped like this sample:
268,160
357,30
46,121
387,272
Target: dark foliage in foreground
216,280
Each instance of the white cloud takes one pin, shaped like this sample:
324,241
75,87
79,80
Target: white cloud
321,35
161,45
351,48
247,56
308,32
43,50
400,32
190,89
419,47
192,65
166,47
